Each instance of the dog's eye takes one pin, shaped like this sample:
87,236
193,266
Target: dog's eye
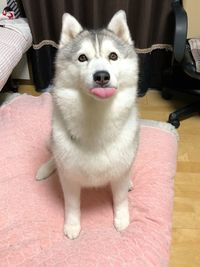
82,58
113,56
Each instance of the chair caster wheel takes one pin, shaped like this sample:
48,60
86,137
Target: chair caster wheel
166,94
175,122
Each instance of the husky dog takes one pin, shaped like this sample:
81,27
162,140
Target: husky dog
95,122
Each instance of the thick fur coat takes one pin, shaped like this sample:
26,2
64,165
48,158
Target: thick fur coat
95,121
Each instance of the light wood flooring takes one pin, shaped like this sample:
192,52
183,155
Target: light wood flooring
185,250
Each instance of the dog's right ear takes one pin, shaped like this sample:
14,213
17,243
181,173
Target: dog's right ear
70,28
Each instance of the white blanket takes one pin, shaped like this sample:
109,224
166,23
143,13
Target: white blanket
19,25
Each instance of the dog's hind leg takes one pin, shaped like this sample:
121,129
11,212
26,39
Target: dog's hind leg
130,186
46,170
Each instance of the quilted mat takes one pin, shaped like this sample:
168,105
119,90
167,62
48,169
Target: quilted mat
31,212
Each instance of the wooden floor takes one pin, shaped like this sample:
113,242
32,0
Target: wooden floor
185,250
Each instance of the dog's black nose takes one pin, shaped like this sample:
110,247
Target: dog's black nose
101,77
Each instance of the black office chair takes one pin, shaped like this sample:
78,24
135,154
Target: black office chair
182,59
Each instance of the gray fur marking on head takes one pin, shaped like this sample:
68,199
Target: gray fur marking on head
72,48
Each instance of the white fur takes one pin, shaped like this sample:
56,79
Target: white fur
119,26
70,28
94,141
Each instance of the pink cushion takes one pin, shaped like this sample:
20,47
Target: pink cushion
31,212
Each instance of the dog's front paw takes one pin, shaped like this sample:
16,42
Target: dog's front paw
121,221
72,230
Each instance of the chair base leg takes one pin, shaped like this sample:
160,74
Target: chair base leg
176,116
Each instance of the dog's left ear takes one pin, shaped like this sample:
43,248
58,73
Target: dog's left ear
70,29
118,25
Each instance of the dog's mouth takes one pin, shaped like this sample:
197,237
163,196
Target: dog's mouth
102,92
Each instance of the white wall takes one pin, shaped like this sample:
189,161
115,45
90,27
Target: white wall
192,8
21,71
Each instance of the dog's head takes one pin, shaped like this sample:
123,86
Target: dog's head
98,63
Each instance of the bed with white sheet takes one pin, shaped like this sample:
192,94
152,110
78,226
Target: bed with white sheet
15,40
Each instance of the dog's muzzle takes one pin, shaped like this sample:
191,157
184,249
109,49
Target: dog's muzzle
102,79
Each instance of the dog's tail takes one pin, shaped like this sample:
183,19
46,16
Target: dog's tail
46,170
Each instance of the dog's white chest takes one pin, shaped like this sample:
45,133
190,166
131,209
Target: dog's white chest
93,166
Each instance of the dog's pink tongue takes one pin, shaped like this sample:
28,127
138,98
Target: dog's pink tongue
103,92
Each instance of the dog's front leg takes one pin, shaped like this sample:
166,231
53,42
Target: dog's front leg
120,202
71,192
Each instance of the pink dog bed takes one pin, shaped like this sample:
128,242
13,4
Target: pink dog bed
31,212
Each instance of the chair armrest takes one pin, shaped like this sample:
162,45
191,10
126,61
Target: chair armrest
180,34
